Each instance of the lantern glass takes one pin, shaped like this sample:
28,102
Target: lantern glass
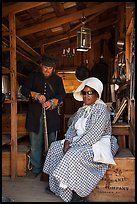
84,39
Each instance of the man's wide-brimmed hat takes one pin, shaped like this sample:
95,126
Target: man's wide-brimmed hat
92,82
48,61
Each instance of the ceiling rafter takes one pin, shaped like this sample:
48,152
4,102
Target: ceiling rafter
18,7
60,38
66,19
59,11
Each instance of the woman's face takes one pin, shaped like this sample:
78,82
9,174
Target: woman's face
89,95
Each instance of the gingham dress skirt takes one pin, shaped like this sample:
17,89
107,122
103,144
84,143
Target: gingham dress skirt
76,169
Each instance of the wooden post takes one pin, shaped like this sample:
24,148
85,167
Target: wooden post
13,80
42,50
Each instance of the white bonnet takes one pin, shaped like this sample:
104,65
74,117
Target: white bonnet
92,82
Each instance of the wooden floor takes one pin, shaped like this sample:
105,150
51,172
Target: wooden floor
24,189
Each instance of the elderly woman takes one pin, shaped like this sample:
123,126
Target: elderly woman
76,164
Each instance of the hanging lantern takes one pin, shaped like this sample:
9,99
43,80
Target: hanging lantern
84,39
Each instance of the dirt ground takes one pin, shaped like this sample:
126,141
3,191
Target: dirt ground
25,189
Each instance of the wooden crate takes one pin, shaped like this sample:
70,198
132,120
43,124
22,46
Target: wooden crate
118,184
22,161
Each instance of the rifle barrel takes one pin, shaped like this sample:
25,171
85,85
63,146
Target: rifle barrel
45,131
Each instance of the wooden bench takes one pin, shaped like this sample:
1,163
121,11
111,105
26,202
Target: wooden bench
118,184
122,132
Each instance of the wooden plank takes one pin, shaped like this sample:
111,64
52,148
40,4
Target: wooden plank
21,6
65,37
28,58
68,18
6,70
6,138
32,52
121,141
118,129
127,51
121,130
13,80
25,47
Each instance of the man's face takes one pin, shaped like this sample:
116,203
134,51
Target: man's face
47,71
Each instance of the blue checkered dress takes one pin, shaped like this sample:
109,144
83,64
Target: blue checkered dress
76,168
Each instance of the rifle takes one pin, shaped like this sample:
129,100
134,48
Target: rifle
45,131
44,176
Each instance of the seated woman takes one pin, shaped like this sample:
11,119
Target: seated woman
76,164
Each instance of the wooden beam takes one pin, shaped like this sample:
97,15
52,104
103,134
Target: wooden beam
53,40
21,6
73,33
27,48
13,82
122,21
24,46
6,70
128,32
94,40
59,11
66,19
21,52
103,24
87,20
28,58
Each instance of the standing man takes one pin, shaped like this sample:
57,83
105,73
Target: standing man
45,90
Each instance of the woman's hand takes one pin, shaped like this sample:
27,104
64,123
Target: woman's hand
66,146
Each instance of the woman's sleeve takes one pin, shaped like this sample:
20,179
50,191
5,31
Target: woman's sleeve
71,131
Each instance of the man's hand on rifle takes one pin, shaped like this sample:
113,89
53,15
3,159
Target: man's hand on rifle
41,98
38,97
47,104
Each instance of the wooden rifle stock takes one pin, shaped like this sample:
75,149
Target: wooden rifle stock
45,131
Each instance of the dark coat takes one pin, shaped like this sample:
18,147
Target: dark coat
37,82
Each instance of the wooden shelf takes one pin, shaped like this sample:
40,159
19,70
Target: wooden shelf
24,46
120,129
7,101
18,100
6,138
6,124
6,70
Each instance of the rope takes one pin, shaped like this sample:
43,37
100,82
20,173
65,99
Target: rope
29,163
